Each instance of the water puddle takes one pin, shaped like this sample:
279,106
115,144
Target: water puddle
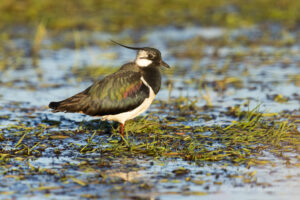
196,139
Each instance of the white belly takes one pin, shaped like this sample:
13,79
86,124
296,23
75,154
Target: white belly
123,117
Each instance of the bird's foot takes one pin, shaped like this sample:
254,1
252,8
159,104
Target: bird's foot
122,130
122,134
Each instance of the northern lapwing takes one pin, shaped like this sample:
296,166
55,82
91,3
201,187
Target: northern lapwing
122,95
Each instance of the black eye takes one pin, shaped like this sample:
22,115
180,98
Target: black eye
150,56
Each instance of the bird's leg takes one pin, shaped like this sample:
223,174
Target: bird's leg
122,129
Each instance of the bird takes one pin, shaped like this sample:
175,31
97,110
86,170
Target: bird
123,95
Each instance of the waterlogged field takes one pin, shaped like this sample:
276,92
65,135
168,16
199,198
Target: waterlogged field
225,124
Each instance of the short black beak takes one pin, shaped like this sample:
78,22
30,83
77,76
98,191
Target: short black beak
163,63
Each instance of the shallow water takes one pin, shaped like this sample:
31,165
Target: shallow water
234,74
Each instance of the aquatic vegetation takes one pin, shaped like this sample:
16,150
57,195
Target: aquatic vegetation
227,116
241,143
105,16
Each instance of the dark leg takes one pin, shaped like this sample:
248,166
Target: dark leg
122,129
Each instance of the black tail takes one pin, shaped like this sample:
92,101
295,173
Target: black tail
72,104
54,105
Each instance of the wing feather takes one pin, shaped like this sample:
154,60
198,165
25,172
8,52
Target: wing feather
120,92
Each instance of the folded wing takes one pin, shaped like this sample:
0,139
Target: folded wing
120,92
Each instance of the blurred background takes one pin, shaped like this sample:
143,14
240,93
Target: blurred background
46,43
228,58
103,15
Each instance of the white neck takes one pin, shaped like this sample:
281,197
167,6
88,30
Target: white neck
143,62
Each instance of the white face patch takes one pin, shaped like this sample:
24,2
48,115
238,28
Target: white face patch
142,62
141,59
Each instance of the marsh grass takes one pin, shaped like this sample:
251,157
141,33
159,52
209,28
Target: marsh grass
242,142
102,15
186,129
96,148
238,143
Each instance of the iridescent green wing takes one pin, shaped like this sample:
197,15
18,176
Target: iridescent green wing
120,92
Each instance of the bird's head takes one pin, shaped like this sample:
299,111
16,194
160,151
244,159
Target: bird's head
146,56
